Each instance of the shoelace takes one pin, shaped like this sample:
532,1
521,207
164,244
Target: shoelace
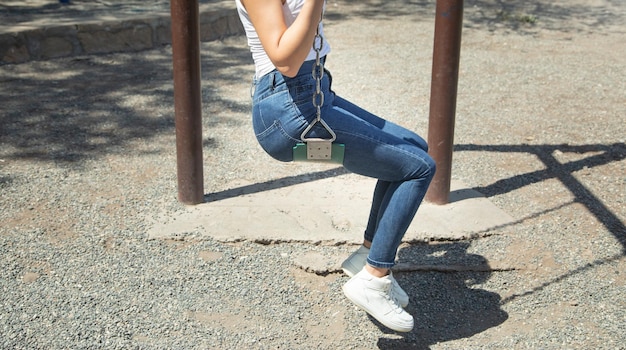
394,283
391,297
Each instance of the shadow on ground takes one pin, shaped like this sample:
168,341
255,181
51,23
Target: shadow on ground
74,109
518,16
603,154
447,301
446,306
65,113
564,172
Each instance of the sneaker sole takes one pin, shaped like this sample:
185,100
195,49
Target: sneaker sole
395,327
347,272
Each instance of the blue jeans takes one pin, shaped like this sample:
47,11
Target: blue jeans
398,158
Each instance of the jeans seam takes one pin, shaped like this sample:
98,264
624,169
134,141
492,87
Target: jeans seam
276,125
380,143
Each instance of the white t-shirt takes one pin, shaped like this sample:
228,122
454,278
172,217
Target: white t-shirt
262,62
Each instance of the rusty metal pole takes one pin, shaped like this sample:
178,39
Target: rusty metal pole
445,74
187,99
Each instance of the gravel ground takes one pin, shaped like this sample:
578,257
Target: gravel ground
87,162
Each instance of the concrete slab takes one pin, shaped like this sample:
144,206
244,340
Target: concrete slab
332,210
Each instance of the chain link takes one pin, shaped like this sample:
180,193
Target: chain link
318,73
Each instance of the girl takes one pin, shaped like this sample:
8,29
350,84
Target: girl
284,36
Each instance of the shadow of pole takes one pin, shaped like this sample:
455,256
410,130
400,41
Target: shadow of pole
584,268
563,172
273,184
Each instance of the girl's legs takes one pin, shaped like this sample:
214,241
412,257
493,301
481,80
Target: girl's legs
395,156
398,159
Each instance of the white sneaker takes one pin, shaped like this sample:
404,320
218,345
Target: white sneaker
355,263
373,294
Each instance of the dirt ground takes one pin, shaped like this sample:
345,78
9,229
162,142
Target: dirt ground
86,160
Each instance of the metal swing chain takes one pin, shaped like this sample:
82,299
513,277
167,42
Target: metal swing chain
318,95
318,73
315,148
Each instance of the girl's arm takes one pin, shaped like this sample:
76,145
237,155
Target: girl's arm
287,48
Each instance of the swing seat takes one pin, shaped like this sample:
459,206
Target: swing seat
319,150
313,149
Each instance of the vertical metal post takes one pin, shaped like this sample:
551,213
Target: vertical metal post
187,99
445,73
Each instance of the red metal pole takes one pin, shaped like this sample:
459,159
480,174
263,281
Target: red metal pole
445,74
187,99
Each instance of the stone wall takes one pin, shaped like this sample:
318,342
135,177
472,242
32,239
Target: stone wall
117,36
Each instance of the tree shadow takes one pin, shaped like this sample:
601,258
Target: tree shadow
523,17
83,111
445,305
69,110
492,15
31,13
